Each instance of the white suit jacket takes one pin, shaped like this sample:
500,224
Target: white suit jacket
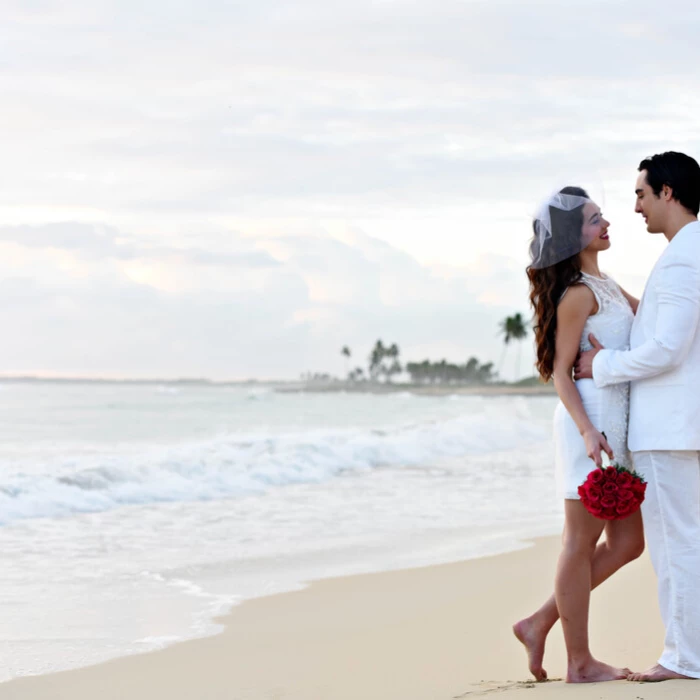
663,363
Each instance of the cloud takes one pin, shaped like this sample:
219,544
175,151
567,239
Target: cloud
104,243
74,236
184,317
218,108
294,177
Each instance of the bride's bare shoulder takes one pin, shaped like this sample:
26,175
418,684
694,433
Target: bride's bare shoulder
578,300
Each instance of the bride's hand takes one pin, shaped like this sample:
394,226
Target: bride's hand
595,444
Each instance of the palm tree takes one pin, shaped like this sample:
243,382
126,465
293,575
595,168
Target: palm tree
395,367
375,360
513,328
357,375
504,330
345,352
378,367
519,332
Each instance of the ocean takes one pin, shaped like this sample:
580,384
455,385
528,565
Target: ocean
132,515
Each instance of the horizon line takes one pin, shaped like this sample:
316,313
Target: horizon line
134,380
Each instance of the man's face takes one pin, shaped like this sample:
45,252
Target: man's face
651,207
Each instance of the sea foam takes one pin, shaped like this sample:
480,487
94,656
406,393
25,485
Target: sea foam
240,465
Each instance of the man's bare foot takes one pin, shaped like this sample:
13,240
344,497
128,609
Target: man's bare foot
533,639
595,672
656,674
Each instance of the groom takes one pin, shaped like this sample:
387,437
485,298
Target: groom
663,366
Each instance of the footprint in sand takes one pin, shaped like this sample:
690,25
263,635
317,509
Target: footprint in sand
488,687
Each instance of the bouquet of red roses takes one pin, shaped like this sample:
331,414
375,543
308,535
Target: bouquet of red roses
612,492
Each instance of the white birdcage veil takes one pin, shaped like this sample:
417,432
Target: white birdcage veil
557,227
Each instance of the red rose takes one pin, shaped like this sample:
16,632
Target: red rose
596,476
638,488
608,502
611,493
623,508
624,479
594,494
611,474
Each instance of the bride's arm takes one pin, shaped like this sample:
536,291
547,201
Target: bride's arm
633,301
573,311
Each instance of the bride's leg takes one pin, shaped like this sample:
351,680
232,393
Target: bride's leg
572,590
624,543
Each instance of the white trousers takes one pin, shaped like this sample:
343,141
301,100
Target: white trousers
671,513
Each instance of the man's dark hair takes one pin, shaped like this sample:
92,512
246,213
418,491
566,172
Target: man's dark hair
680,172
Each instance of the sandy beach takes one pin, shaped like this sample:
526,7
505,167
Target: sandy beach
421,634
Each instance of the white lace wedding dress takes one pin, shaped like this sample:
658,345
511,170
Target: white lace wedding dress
607,408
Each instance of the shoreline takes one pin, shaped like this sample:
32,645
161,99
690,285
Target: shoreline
300,387
414,634
420,390
216,622
417,473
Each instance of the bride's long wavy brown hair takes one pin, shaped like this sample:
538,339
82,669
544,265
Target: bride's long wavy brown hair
546,287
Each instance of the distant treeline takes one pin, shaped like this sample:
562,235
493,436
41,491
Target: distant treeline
444,372
383,363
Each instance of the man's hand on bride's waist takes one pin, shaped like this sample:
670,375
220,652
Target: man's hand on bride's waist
583,368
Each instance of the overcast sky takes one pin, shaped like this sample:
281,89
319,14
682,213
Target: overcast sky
238,189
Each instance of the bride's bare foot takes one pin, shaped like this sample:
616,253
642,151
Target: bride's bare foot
656,674
595,672
533,638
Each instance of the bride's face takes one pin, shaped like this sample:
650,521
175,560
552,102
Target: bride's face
595,228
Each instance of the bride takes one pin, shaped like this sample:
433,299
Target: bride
572,299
